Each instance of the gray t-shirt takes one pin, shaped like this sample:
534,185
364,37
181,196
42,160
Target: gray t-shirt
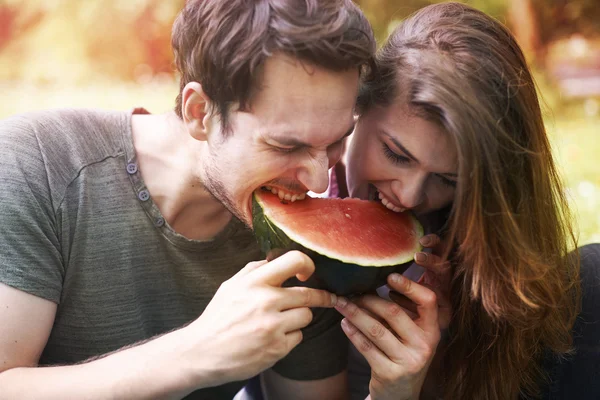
79,228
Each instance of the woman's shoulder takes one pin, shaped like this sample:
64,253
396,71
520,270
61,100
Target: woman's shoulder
575,376
588,322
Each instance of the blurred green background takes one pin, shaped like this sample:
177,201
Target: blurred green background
116,54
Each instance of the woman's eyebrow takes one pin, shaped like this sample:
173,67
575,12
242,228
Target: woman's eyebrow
409,155
400,146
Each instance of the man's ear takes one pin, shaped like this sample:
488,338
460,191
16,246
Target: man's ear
195,110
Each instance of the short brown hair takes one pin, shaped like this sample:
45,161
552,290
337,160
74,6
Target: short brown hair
221,44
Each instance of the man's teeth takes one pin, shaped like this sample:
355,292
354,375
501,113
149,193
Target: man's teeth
286,196
388,204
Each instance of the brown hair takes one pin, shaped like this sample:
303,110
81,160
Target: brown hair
515,290
221,44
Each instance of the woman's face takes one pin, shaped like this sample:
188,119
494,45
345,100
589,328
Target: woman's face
404,160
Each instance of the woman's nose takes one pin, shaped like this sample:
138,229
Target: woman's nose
409,190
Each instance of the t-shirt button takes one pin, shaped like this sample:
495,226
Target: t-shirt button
160,221
143,195
132,168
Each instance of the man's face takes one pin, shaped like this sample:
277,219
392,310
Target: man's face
288,139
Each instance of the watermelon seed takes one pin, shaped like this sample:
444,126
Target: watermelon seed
348,216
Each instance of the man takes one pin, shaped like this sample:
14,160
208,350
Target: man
119,229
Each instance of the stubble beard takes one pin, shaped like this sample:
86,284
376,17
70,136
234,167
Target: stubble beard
216,189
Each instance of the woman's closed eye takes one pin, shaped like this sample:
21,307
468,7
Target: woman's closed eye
394,157
447,182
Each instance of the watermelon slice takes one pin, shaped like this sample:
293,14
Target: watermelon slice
354,243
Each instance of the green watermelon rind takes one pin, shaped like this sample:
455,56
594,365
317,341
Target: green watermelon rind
271,236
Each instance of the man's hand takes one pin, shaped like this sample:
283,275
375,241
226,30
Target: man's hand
252,322
249,325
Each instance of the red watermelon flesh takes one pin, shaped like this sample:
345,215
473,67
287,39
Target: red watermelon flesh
354,231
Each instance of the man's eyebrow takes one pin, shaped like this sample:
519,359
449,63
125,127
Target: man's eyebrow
293,142
289,141
400,146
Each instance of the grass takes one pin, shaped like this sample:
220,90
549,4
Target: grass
573,129
576,144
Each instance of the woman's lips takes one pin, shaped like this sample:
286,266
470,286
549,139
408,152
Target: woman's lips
389,204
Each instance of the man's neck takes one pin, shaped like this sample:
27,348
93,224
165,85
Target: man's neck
169,160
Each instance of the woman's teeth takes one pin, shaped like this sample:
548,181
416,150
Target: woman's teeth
388,204
286,195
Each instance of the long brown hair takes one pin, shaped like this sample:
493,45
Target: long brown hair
222,44
515,290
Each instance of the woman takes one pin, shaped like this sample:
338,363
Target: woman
451,126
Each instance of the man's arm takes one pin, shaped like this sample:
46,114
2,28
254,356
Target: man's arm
276,387
250,324
156,369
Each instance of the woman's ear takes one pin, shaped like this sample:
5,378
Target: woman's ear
195,110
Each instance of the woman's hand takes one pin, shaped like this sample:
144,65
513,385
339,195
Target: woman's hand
437,277
398,348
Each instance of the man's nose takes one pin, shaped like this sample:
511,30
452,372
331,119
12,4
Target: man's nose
314,172
335,153
410,191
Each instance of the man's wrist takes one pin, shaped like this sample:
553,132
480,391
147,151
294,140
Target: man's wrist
194,372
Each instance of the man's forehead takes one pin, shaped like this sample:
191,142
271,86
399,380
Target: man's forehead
285,80
300,107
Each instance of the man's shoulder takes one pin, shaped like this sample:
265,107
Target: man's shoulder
60,134
56,120
58,144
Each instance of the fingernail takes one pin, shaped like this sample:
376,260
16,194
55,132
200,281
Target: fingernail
425,241
348,327
341,302
396,278
421,257
334,299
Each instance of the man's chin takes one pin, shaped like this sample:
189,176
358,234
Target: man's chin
243,214
247,220
246,215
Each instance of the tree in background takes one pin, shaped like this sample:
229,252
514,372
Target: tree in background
537,24
73,40
16,21
57,40
384,15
